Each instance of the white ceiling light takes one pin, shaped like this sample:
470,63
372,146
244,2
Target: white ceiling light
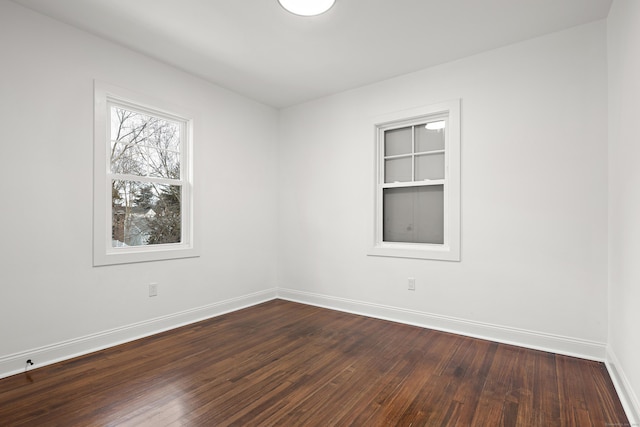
307,7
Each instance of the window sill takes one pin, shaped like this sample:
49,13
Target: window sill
416,251
144,254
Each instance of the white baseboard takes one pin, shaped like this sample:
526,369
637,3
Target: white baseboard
530,339
628,398
46,355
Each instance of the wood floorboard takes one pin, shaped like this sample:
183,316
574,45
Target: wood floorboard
286,364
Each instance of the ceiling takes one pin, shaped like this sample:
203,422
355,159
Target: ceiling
255,48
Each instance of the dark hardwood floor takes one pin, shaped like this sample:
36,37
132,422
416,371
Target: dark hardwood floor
282,363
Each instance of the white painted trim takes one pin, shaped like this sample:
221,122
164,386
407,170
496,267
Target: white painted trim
15,363
450,250
521,337
628,398
103,251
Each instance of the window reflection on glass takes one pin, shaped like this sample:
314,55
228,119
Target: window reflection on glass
397,141
145,213
414,214
144,145
429,166
397,170
147,210
429,140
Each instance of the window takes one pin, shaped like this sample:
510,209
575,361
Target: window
417,187
143,205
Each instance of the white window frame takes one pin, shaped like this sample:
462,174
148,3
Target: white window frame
450,249
104,253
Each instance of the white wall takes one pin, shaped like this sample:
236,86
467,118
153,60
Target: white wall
623,26
49,291
534,197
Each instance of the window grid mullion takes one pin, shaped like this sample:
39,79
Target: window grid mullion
397,156
413,153
138,178
428,153
413,184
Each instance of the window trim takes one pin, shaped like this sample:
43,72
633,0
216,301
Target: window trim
450,249
106,95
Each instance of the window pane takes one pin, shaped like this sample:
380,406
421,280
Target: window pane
397,170
429,166
128,158
414,215
429,140
397,141
144,145
145,213
167,135
163,163
130,126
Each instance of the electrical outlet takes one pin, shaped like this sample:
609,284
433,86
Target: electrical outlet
412,284
153,289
